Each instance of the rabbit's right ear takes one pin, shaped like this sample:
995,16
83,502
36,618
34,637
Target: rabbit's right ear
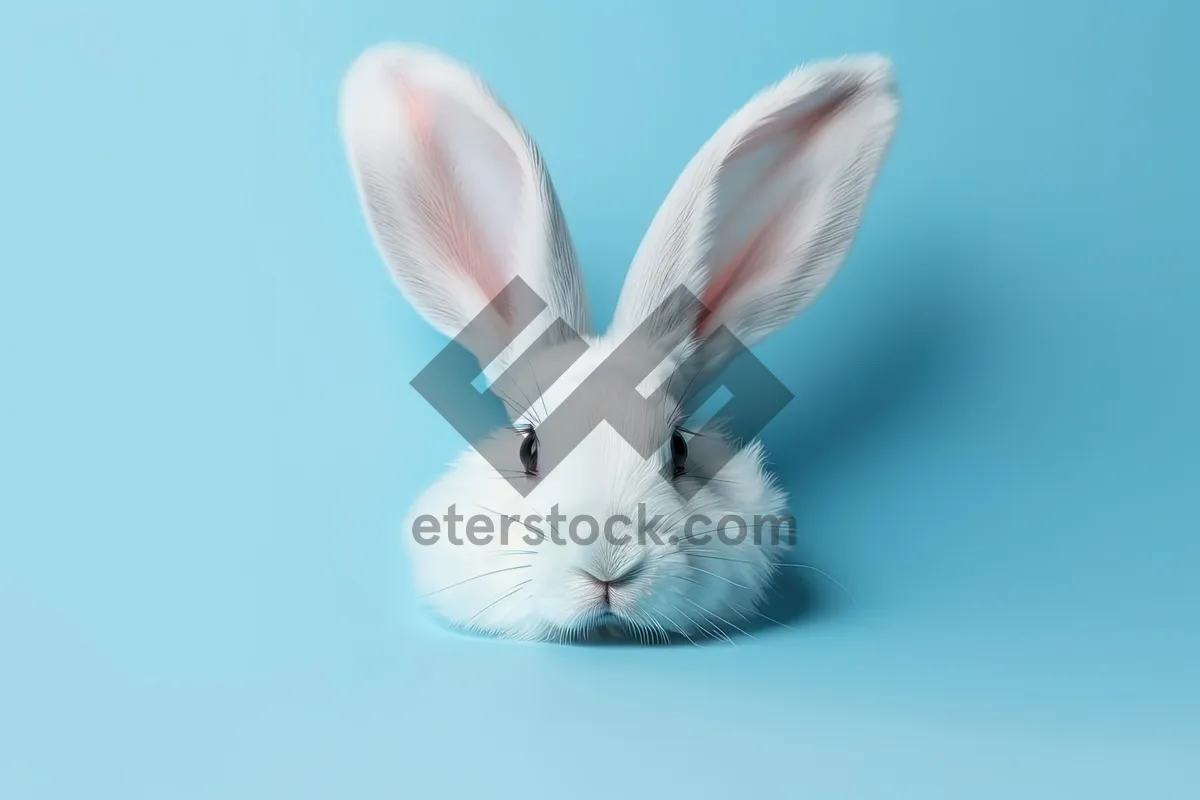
765,213
455,194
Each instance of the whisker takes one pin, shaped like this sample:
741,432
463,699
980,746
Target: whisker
768,619
528,402
690,432
684,398
666,639
710,478
701,553
671,520
706,613
692,536
654,618
715,575
819,571
538,385
477,577
666,633
508,398
509,479
509,593
681,630
514,518
719,617
638,627
735,610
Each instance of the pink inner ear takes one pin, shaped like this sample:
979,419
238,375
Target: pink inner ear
447,215
745,264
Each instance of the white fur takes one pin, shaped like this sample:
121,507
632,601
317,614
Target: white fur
459,204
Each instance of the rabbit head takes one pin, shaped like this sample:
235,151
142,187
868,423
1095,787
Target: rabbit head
600,507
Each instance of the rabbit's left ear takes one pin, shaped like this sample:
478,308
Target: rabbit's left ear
765,213
456,196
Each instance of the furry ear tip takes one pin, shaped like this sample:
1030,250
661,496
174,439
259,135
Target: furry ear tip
878,71
879,74
367,95
394,52
872,67
874,76
875,63
398,58
871,71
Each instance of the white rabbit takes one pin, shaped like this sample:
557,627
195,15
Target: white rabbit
459,205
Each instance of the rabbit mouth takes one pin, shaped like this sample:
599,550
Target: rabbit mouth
606,625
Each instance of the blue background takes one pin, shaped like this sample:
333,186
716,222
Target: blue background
208,441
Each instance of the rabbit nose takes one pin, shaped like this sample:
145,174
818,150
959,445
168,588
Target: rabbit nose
607,587
604,586
607,580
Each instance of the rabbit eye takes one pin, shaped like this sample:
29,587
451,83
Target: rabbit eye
529,452
679,453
